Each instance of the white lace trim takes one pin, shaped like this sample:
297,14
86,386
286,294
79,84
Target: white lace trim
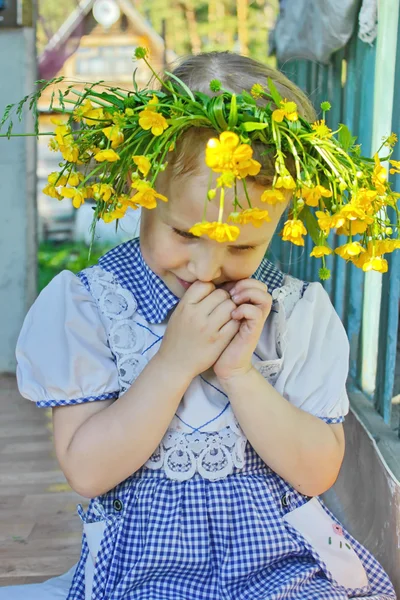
368,21
117,307
286,298
211,454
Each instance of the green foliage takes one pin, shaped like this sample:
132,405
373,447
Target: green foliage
54,258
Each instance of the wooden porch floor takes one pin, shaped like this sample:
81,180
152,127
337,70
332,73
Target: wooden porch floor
40,532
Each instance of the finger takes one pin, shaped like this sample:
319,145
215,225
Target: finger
228,285
198,291
217,297
253,296
221,314
229,330
249,312
243,284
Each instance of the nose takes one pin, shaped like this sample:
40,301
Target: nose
206,264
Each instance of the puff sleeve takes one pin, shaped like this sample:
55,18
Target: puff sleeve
315,357
62,352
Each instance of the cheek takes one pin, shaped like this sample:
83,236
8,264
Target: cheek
163,253
243,265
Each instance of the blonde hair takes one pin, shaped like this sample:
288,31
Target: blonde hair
236,73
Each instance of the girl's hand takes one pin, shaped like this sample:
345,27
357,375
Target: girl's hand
199,330
253,307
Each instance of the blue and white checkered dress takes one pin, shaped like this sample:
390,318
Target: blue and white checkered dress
199,538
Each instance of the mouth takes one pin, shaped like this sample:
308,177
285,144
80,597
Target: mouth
184,284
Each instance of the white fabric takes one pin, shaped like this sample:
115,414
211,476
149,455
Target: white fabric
368,21
56,588
77,344
62,350
327,539
315,352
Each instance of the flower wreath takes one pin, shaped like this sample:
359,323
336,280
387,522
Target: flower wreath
110,133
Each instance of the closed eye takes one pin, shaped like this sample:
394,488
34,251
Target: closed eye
190,236
185,234
239,248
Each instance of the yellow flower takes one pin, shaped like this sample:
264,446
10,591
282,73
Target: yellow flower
285,180
227,154
349,250
293,231
321,129
75,178
357,227
152,104
352,213
287,109
106,155
319,251
143,163
80,196
376,263
146,196
70,153
114,134
364,198
53,145
62,132
379,176
389,246
200,229
50,190
257,91
391,140
255,216
273,197
396,165
87,113
313,195
57,179
324,221
150,119
119,210
222,232
102,191
227,179
68,192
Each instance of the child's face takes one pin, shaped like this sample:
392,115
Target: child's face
179,258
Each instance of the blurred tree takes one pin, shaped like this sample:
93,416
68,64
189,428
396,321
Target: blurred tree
51,15
189,26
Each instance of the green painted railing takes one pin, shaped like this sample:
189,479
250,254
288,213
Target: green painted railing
348,83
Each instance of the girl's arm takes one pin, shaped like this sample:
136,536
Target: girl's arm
99,445
301,448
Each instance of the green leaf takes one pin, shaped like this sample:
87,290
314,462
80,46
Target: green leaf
311,224
345,139
61,99
276,97
7,111
253,126
233,114
182,85
51,101
204,98
247,98
216,109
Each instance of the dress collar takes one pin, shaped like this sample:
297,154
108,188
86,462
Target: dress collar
153,297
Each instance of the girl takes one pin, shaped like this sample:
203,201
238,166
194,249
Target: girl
198,392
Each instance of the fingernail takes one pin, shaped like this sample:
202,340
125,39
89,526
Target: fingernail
235,297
